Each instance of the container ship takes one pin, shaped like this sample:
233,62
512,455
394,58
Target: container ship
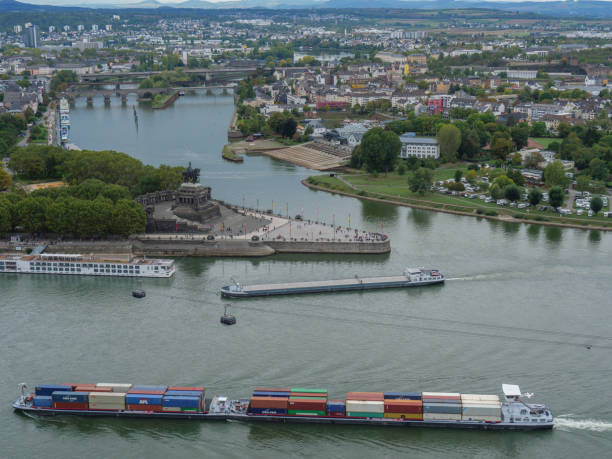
413,277
300,405
70,264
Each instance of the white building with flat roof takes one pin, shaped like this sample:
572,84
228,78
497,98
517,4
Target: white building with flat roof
419,147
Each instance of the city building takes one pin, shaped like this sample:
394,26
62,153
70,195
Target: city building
31,37
419,147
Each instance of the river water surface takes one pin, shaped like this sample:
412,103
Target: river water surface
520,305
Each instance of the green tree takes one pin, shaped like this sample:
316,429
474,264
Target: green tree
31,214
596,204
449,138
458,175
128,217
420,181
380,150
503,181
554,175
6,218
496,191
501,147
534,196
538,129
512,193
520,135
555,196
598,169
583,182
516,176
5,179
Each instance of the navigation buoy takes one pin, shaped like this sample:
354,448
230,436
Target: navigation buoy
139,293
227,319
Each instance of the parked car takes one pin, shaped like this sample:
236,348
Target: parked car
489,200
543,208
522,205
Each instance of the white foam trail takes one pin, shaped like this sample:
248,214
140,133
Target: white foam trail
592,425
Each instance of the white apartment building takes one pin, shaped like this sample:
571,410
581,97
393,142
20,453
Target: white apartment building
419,147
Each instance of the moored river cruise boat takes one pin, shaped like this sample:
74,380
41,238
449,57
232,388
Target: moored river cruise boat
71,264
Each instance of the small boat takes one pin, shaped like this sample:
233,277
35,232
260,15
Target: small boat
227,319
138,293
181,93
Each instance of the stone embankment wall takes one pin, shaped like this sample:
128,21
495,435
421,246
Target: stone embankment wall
330,247
194,248
87,247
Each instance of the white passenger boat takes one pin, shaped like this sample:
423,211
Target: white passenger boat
70,264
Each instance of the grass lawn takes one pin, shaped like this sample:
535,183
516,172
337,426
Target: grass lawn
545,141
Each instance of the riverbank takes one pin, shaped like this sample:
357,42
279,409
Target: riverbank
490,213
230,155
161,101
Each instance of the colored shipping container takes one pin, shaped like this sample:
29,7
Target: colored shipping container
363,414
310,391
481,410
116,387
403,406
147,392
308,404
191,410
373,396
403,395
279,403
182,401
70,406
447,408
336,414
92,389
106,401
184,393
407,416
155,408
43,401
75,385
70,397
441,395
319,413
190,389
369,406
268,411
307,395
171,409
143,399
336,406
270,394
48,389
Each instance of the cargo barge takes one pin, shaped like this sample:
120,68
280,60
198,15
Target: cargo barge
71,264
297,405
413,277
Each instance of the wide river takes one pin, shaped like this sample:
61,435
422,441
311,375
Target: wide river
520,305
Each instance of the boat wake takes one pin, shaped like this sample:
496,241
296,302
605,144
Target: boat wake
592,425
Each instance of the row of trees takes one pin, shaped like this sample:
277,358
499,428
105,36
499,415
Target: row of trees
68,215
250,121
48,162
10,128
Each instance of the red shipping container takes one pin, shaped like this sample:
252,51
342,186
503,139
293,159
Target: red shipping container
308,404
307,395
271,389
147,392
442,397
70,406
404,406
143,407
194,389
366,396
336,415
92,389
278,403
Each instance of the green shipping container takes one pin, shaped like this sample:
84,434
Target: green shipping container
306,413
363,414
313,391
307,398
192,410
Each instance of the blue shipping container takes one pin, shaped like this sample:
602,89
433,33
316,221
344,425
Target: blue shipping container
336,407
147,388
443,408
267,411
259,393
48,389
43,401
70,397
143,399
182,402
184,393
403,395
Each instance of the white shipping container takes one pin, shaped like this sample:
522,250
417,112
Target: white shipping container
481,410
440,394
481,418
479,397
117,387
365,406
106,406
171,408
441,417
107,397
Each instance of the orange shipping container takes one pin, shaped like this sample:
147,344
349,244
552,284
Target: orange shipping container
403,406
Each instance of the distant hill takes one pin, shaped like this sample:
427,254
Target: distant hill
568,8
